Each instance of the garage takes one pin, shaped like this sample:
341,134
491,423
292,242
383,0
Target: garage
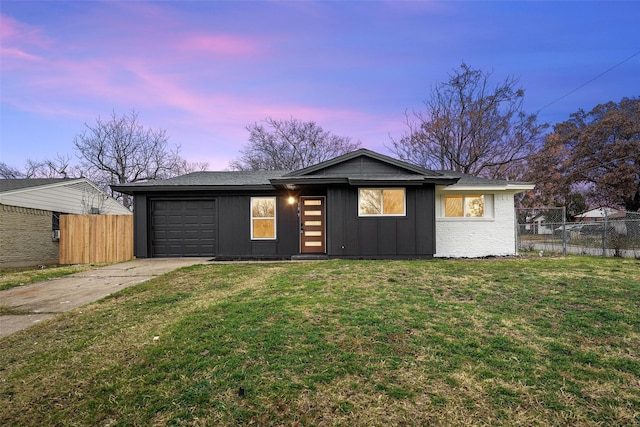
183,228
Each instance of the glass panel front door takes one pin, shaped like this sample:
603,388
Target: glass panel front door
312,225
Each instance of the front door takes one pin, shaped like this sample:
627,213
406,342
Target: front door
312,225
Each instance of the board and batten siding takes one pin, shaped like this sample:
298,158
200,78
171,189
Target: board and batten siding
234,228
477,237
360,165
351,236
233,225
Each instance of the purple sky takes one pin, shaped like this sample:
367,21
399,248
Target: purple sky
205,70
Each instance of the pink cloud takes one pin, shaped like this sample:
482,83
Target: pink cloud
113,69
14,32
8,52
159,33
9,28
19,41
203,88
124,81
221,44
226,113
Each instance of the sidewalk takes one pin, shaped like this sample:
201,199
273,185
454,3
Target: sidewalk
42,300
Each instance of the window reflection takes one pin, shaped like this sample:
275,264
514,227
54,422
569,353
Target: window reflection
464,206
381,201
263,217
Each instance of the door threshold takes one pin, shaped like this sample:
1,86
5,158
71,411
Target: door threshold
309,257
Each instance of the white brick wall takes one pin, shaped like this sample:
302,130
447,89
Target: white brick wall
471,237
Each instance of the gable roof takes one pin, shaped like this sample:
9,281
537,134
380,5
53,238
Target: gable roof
363,167
18,183
360,167
65,195
363,152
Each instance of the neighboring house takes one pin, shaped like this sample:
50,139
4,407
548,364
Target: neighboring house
30,210
622,222
596,215
538,224
359,205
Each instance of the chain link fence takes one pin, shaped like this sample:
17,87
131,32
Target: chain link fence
546,231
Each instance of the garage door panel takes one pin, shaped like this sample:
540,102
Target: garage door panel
159,220
193,205
174,235
196,250
192,220
192,250
160,205
192,235
160,252
173,249
175,220
207,234
183,228
159,234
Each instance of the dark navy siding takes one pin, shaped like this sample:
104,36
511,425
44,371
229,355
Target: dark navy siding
232,225
234,231
349,235
358,166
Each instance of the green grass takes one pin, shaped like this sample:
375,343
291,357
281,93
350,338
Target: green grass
532,342
13,277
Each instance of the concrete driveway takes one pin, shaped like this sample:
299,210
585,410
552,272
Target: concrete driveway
42,300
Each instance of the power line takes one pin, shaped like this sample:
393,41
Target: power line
589,81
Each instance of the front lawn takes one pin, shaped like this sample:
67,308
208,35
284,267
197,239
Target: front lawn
531,342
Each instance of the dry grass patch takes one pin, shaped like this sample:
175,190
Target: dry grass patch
13,277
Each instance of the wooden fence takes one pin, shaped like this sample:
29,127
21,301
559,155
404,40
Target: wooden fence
88,239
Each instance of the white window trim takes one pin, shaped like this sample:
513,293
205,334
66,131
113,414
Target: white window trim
404,203
275,215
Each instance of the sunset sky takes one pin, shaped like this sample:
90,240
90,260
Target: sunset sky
204,70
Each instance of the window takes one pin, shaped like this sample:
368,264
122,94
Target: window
381,202
263,218
464,206
55,226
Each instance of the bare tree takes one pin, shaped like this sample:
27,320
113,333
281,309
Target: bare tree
58,167
472,127
289,145
10,172
120,150
113,151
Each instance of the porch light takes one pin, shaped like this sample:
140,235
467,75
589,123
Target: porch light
291,200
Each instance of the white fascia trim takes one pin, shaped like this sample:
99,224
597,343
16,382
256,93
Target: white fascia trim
508,187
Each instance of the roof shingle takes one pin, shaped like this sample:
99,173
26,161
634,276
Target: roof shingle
17,184
216,178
